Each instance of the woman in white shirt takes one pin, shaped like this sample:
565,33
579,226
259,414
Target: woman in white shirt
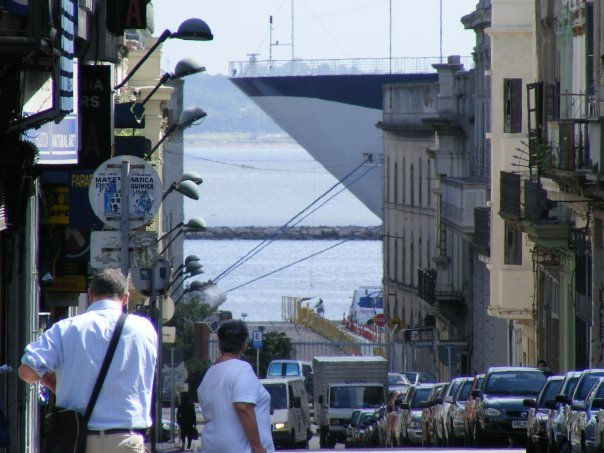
234,403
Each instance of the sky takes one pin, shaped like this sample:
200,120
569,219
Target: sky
323,29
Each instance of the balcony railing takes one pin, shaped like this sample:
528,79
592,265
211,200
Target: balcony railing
459,198
509,202
535,202
573,145
404,65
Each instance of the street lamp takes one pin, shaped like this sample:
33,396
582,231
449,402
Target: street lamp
191,176
188,117
195,285
194,224
193,272
189,30
183,68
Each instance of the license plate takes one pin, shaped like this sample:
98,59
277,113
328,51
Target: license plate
519,424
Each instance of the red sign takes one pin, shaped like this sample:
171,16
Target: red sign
379,320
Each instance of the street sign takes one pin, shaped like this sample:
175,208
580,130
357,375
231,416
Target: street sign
141,277
106,246
168,334
380,320
144,196
257,340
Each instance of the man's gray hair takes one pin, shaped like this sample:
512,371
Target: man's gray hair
109,282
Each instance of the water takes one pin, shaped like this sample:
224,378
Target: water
265,185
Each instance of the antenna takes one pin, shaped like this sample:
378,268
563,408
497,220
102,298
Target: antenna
270,41
277,43
441,31
292,40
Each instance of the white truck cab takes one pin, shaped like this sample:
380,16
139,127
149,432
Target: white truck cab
290,413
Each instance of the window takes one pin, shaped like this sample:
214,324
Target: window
419,183
412,264
387,181
395,260
421,261
403,261
512,105
513,245
395,183
411,186
429,185
403,182
428,253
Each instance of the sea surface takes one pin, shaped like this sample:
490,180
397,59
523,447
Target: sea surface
266,184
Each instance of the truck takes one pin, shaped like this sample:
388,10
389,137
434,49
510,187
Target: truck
343,384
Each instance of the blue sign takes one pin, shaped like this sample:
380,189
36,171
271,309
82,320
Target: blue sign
257,340
57,142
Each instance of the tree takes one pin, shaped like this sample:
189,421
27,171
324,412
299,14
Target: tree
277,345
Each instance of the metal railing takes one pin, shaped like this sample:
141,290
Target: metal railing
403,65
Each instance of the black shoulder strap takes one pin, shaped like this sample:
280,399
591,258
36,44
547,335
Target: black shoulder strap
105,367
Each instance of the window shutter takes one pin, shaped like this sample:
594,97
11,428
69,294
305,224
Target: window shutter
516,105
3,221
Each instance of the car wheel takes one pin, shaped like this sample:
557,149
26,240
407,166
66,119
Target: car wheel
292,439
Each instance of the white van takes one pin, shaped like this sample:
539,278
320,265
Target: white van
292,368
290,414
367,301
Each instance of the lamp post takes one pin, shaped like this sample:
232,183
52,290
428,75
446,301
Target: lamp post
188,117
194,224
183,68
189,30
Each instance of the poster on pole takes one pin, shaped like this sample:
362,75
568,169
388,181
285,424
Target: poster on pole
145,191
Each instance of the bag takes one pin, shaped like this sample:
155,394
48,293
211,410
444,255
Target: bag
194,434
66,431
4,433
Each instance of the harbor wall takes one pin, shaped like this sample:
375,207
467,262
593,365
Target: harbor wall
362,233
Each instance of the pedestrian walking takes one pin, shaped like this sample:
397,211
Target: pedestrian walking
233,402
186,418
67,359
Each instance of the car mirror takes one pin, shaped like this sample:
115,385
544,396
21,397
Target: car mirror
529,403
405,406
477,393
551,404
577,406
437,401
597,403
450,399
562,399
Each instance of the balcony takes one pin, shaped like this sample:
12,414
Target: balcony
482,230
459,198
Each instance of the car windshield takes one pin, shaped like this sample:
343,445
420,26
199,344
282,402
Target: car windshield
515,382
420,396
278,393
355,417
570,386
396,379
586,385
427,378
549,392
411,376
356,396
464,391
283,369
453,388
365,418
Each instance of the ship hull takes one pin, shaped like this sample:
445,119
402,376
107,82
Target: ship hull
334,119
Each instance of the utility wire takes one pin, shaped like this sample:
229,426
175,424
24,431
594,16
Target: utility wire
316,200
278,233
288,265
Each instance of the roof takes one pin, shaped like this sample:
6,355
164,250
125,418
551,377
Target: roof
280,380
350,358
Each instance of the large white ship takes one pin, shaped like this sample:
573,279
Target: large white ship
331,107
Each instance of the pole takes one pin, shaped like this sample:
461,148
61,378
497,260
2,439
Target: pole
172,395
155,301
125,218
258,362
292,30
441,31
270,42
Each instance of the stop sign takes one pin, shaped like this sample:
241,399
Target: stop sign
380,320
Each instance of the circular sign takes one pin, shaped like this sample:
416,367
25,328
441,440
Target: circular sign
167,309
144,191
379,320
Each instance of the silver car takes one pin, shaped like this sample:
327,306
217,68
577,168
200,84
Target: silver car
454,417
411,414
586,428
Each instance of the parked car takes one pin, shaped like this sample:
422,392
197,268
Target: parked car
586,429
411,414
419,377
428,412
361,418
290,414
500,413
469,412
576,403
399,382
375,431
442,410
557,415
454,423
538,414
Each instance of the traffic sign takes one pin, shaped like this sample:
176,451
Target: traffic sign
141,277
106,246
257,340
380,320
144,193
